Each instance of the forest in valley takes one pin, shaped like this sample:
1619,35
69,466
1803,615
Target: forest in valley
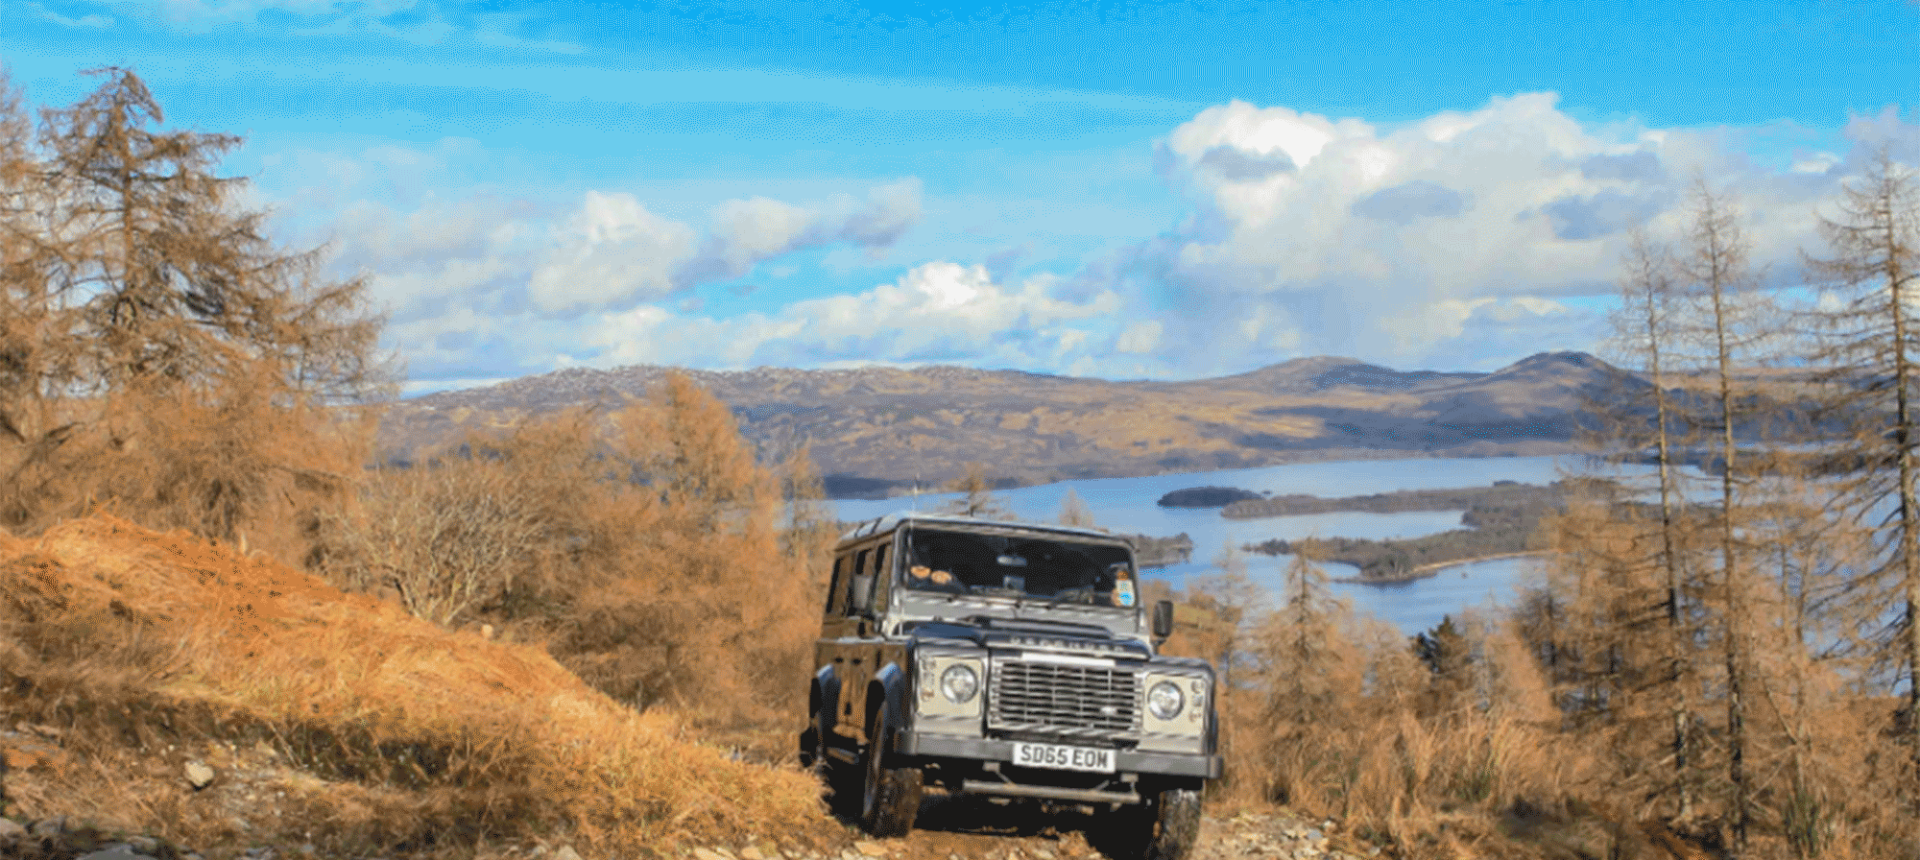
1715,663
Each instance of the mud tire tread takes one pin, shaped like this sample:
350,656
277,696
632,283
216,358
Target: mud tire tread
1174,827
891,801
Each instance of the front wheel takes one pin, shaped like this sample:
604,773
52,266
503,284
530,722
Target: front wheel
1172,825
890,799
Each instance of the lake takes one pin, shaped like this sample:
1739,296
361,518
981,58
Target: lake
1129,505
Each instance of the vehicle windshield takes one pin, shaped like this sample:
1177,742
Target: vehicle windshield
1051,568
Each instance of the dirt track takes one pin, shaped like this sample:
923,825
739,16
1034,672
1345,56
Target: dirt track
965,829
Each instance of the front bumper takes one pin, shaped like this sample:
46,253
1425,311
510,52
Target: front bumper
1125,761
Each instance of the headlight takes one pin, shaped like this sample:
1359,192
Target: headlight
959,683
1165,700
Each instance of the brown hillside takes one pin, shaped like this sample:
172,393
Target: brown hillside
876,429
375,731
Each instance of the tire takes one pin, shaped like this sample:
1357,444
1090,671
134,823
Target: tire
1171,826
889,796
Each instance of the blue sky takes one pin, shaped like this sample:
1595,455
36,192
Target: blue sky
1163,190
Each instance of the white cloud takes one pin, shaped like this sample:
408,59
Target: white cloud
1817,162
1462,240
745,232
386,212
611,251
92,21
1315,234
1139,338
938,312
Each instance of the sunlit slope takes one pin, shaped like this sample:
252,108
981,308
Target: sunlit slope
889,426
143,650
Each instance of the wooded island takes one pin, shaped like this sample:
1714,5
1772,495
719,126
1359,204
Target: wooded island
1501,519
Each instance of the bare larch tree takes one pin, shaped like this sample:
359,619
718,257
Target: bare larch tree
1871,346
1730,324
160,348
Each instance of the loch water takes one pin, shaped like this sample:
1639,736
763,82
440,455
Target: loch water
1131,505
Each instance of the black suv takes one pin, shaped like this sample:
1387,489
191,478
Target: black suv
1009,659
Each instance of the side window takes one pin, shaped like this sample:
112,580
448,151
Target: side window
860,569
884,577
837,589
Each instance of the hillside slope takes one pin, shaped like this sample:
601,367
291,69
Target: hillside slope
169,695
876,429
327,719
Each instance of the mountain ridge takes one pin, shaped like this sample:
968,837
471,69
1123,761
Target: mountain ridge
877,429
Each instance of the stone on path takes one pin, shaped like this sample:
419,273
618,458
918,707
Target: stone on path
199,775
121,851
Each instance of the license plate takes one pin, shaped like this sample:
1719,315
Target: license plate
1060,757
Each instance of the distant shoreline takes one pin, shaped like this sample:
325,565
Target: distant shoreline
848,487
1427,571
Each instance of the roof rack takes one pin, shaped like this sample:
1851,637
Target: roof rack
888,522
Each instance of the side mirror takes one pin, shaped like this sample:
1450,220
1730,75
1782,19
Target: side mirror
860,602
1162,620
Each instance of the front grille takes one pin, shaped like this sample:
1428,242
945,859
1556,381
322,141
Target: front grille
1059,699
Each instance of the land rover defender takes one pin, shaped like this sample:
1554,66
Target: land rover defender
1005,659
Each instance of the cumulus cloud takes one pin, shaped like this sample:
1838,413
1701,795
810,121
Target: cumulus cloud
936,312
1884,130
745,232
426,249
1577,218
1417,199
1317,234
1466,239
612,250
1640,166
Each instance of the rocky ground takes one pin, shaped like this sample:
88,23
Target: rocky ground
968,833
1252,836
957,836
243,784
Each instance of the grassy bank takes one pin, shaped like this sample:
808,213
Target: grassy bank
145,650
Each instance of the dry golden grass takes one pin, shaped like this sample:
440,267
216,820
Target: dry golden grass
140,648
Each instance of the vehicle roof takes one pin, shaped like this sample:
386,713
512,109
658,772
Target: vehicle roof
896,519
